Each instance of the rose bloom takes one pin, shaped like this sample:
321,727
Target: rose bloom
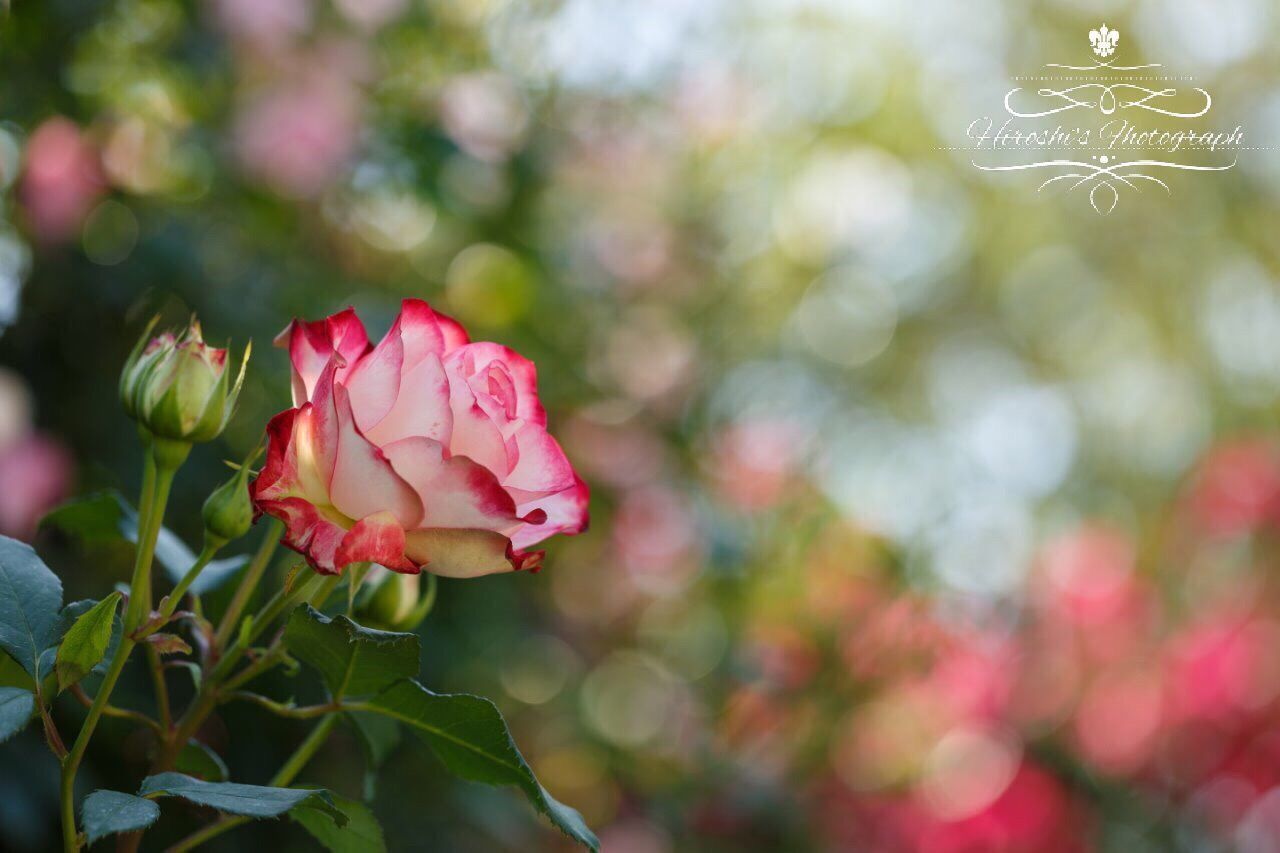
426,451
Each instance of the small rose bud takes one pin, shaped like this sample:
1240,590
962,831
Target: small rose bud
146,352
228,512
398,602
178,387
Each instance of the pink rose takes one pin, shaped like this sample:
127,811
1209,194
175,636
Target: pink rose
426,451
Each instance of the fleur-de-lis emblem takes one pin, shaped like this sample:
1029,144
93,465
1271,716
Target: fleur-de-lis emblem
1104,40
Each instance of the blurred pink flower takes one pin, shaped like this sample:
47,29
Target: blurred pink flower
1238,487
1118,720
298,137
753,462
485,115
62,179
264,24
36,472
1034,814
656,538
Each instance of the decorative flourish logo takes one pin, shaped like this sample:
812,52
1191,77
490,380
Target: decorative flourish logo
1127,151
1104,40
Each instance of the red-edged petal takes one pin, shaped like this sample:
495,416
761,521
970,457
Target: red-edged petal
454,335
292,468
565,512
465,553
312,344
426,330
456,492
307,532
541,469
475,434
376,538
278,467
363,482
374,382
421,408
475,361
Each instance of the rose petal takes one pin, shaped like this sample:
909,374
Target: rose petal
474,360
363,482
541,468
475,435
421,409
456,492
465,553
374,383
291,468
307,531
565,512
312,344
376,538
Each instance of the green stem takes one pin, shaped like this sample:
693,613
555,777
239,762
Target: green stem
157,480
287,773
304,712
269,659
316,587
175,598
156,666
253,574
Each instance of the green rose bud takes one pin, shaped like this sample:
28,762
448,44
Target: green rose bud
228,512
178,388
397,602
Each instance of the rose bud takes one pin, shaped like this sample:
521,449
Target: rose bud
424,452
177,388
397,602
228,512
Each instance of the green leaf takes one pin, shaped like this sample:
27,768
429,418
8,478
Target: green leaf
16,707
108,812
200,761
471,738
13,675
85,643
362,834
378,736
66,619
108,517
234,798
353,660
30,598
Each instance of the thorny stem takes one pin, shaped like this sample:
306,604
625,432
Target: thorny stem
157,480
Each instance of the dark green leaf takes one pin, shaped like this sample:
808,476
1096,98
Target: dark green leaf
353,660
200,761
95,518
30,598
234,798
108,812
471,738
13,675
108,517
85,643
378,736
362,834
16,707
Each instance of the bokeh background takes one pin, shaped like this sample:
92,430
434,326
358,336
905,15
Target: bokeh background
929,513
